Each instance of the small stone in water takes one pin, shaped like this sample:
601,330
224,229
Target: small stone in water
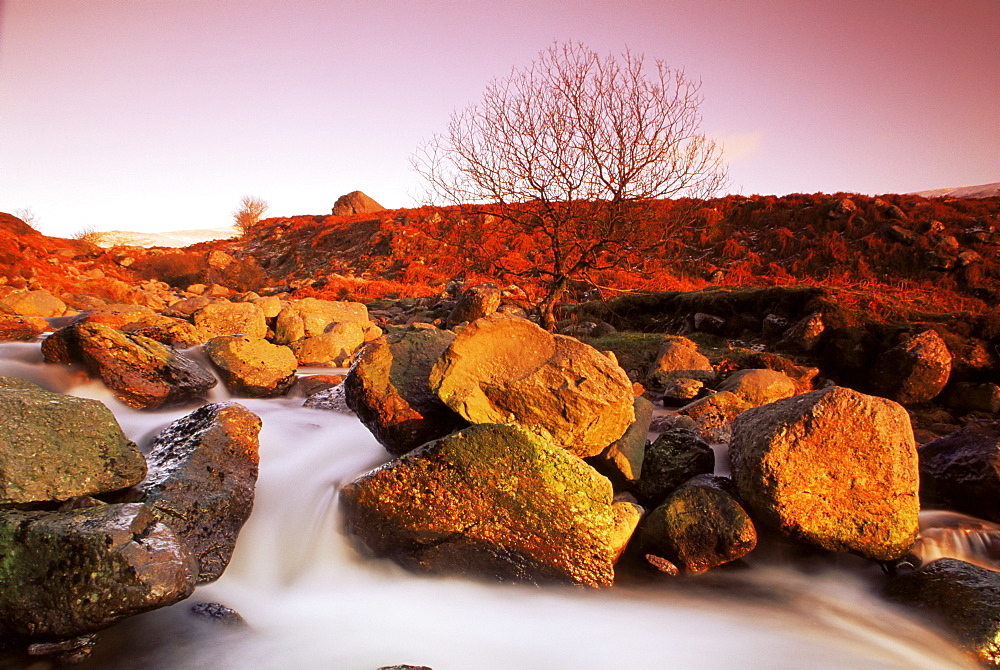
662,564
218,614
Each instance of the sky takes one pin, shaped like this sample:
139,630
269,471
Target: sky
159,115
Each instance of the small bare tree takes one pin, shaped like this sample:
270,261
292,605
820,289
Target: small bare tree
249,213
27,215
572,152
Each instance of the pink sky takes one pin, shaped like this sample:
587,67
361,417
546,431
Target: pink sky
159,115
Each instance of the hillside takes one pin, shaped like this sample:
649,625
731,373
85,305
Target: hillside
981,191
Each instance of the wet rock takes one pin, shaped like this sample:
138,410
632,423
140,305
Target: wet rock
54,447
682,389
220,614
699,526
71,573
805,335
759,387
231,318
503,369
489,500
834,468
21,328
252,367
307,385
672,459
679,358
963,598
773,326
475,302
337,346
32,303
961,471
914,371
332,399
389,389
968,257
622,460
141,372
202,475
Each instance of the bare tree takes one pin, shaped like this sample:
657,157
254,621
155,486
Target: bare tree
27,215
572,152
249,213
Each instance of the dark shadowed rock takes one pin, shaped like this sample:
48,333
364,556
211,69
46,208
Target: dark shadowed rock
699,526
388,389
141,372
914,371
70,573
672,459
961,471
975,397
805,335
489,500
55,447
252,367
202,475
963,598
355,202
503,369
834,467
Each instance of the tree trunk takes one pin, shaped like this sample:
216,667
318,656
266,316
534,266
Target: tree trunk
546,308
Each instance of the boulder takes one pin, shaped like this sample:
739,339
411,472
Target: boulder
187,306
231,318
271,305
55,447
759,387
709,323
713,413
21,328
679,358
332,399
627,515
389,390
963,598
805,335
834,468
120,316
71,573
355,202
336,346
202,475
672,459
318,315
288,326
503,369
622,460
961,471
682,389
699,526
914,371
488,500
474,303
252,367
32,303
167,330
141,372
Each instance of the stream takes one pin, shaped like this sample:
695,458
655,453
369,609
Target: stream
312,600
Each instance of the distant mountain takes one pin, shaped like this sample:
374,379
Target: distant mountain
177,238
981,191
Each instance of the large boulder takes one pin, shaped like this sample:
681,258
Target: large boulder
503,369
679,359
963,598
914,371
355,202
231,318
961,471
318,315
201,481
55,447
71,573
489,500
672,459
32,303
389,390
141,372
759,387
699,526
252,367
336,346
834,467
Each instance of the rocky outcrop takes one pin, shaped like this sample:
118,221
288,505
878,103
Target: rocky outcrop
355,202
679,359
389,390
961,471
231,318
488,500
70,573
759,387
503,369
914,371
963,598
202,475
54,447
141,372
252,367
672,459
834,467
699,526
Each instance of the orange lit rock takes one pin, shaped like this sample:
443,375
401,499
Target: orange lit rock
914,371
759,387
252,367
231,318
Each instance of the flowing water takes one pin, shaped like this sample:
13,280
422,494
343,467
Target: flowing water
313,600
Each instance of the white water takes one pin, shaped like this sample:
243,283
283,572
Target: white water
313,601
